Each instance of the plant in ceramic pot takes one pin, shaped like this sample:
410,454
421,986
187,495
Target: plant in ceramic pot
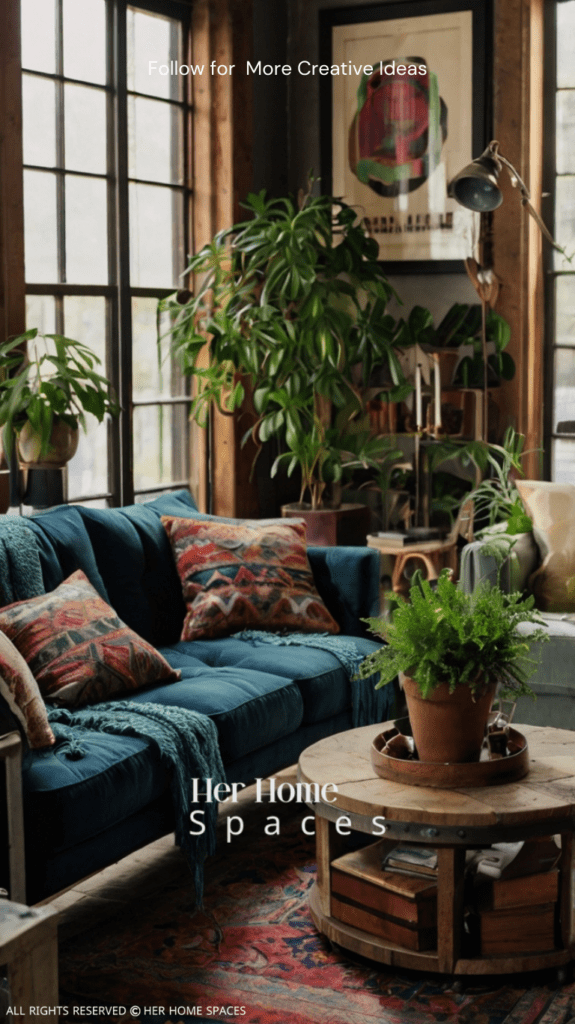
49,383
452,651
293,303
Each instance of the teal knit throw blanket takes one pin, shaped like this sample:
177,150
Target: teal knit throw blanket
20,572
187,743
367,704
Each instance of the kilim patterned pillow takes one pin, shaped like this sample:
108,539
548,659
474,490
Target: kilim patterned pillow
252,575
78,649
21,693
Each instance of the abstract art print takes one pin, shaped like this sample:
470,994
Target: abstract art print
404,121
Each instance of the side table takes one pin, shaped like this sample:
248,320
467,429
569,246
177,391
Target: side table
29,948
451,821
434,554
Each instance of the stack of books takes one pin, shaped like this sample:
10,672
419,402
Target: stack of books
420,861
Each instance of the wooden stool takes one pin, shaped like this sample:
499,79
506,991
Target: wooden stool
29,948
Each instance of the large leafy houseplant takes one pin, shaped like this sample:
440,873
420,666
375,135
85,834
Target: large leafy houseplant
49,381
454,649
292,301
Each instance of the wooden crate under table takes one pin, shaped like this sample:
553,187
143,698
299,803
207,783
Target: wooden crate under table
397,907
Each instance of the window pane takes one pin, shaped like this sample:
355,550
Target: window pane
157,39
38,35
565,35
156,249
85,135
563,462
150,378
85,320
85,40
160,445
564,219
565,310
565,131
86,231
40,244
155,141
41,313
88,470
39,121
564,387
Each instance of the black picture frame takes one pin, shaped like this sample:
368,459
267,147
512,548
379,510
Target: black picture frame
481,11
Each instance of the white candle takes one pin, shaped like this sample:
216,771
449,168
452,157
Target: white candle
437,391
418,416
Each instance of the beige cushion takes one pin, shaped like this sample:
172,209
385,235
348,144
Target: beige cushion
552,509
20,690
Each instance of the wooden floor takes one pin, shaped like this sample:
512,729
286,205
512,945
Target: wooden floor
136,877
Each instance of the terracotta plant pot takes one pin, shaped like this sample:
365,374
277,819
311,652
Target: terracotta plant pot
326,527
62,447
448,728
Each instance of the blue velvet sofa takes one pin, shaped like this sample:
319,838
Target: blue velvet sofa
268,703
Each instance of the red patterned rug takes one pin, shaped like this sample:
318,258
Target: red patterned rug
253,955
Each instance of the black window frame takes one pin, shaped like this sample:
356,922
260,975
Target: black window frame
552,274
119,292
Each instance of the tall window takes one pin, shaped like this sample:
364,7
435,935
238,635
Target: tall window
106,214
561,304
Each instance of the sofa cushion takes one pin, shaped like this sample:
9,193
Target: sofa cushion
135,560
253,574
250,708
65,546
552,509
553,681
20,690
321,680
71,800
78,649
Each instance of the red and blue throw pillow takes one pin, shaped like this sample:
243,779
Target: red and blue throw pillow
77,648
249,575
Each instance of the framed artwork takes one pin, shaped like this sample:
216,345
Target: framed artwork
403,110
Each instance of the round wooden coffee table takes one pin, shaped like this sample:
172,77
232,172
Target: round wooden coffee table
541,804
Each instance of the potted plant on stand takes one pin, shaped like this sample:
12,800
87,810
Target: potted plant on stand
49,383
452,651
293,304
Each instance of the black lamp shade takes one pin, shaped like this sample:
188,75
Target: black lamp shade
475,187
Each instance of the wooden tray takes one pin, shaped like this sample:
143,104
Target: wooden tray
451,776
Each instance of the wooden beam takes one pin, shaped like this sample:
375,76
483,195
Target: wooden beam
222,33
518,107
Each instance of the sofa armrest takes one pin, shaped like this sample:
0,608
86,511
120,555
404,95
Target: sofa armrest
476,565
347,579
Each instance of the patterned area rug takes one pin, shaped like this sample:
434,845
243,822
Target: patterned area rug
253,955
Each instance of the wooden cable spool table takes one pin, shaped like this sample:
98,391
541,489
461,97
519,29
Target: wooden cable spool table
450,820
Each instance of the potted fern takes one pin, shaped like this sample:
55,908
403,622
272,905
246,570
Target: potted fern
49,383
452,650
293,305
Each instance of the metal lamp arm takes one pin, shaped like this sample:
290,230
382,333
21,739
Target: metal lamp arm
517,182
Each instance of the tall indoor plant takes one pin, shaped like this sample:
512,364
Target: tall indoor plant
453,650
48,384
293,304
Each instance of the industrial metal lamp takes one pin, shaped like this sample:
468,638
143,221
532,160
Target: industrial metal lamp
476,188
